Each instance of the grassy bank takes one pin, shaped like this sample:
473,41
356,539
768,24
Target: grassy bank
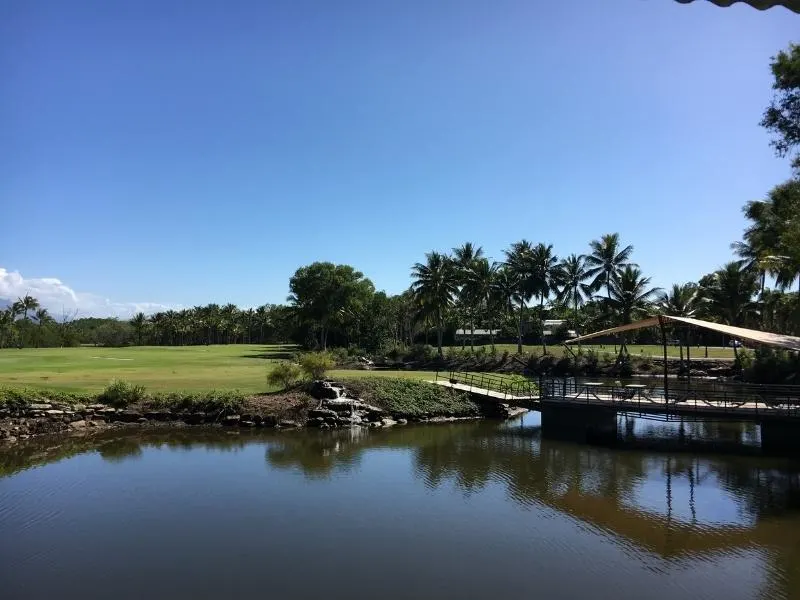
411,398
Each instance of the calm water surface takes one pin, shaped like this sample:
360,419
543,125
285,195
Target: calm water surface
479,510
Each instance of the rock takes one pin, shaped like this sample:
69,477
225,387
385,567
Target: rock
108,410
324,426
54,412
96,407
388,422
159,415
321,413
288,423
194,418
248,423
322,390
40,406
269,421
128,416
231,419
345,420
402,421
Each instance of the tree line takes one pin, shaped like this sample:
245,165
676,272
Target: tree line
336,305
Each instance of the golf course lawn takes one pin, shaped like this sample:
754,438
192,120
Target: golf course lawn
187,368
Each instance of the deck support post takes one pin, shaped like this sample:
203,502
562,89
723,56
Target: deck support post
664,345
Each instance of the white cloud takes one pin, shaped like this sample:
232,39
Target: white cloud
58,298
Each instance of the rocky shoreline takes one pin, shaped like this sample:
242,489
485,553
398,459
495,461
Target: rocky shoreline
333,409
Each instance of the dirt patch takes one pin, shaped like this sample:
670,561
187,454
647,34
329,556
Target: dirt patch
292,404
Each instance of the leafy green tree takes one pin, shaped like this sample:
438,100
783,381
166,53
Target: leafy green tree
607,260
782,116
325,295
435,286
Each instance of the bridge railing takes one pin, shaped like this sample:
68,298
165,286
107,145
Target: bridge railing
508,385
681,396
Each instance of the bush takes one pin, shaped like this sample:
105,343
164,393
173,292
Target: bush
315,364
339,356
772,366
122,393
284,374
423,352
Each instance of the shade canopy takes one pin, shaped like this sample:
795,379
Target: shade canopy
759,4
777,340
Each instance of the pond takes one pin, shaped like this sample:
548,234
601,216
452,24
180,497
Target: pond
470,510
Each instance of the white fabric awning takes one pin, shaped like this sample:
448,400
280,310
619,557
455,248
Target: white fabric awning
777,340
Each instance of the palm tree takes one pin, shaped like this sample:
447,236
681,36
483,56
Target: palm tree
629,296
6,325
519,262
681,300
544,277
607,260
464,257
42,318
728,294
27,303
139,322
434,287
571,275
478,285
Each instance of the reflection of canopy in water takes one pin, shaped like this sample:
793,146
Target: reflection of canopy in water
777,340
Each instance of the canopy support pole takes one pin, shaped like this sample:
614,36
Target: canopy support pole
664,346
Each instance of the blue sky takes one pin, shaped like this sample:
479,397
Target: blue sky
182,153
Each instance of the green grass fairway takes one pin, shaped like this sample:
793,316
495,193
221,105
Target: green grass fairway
634,349
187,368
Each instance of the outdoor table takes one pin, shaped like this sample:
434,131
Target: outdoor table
636,390
590,387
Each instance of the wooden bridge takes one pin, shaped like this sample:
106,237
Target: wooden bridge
591,406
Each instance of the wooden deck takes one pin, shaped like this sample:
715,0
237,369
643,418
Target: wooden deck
641,401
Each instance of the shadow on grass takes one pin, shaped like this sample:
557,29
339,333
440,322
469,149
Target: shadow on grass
285,353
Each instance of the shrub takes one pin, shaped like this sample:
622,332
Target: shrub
424,352
315,364
339,355
122,393
480,352
284,374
